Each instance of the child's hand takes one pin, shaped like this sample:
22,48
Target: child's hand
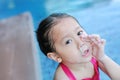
98,45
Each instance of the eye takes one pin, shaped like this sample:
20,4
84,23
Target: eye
79,33
68,41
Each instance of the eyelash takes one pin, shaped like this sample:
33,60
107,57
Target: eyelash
79,33
67,42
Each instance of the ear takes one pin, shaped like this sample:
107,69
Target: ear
54,56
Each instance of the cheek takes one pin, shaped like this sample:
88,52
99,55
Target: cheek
71,57
67,52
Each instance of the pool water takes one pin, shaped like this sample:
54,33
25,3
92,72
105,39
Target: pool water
96,16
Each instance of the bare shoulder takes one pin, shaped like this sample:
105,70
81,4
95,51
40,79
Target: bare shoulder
59,74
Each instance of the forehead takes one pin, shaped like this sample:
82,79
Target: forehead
64,26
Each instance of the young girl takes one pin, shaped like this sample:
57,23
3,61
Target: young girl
63,40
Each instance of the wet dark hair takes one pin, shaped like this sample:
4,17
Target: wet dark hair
43,33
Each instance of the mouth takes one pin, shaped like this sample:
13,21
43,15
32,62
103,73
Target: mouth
85,51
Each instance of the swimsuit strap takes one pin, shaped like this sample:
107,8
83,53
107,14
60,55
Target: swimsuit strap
95,63
71,76
96,74
67,72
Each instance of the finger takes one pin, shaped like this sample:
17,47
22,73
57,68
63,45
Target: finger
97,42
94,41
94,36
103,41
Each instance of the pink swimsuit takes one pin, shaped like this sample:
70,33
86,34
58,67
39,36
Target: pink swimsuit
72,77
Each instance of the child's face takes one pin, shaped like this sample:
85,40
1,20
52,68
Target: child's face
69,44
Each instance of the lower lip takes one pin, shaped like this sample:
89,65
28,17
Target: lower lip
86,54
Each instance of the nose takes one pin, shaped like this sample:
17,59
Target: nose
81,41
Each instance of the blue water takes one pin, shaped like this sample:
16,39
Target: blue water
96,16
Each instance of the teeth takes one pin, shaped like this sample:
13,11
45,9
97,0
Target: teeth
83,48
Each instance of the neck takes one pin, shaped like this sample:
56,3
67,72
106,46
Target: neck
77,66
